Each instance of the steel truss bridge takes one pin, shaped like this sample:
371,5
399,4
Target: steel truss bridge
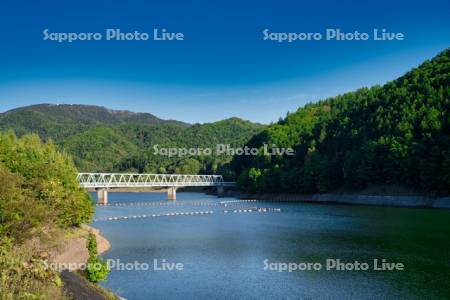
122,180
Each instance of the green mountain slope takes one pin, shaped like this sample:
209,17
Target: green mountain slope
398,133
130,147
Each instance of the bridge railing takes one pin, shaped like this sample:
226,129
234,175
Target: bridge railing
117,180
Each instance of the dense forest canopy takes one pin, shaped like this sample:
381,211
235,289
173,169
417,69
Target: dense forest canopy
41,184
129,147
398,133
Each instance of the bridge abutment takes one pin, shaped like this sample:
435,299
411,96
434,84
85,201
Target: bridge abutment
102,196
172,193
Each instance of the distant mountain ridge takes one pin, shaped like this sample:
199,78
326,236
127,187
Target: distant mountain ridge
74,117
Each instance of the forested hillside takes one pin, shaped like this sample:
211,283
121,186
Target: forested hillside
106,140
40,199
398,133
129,147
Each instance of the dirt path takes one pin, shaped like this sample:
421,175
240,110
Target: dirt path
79,288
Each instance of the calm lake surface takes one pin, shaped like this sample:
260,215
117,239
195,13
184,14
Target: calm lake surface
223,252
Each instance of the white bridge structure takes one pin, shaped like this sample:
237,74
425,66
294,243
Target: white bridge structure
101,182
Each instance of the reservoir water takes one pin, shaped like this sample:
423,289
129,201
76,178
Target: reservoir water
232,249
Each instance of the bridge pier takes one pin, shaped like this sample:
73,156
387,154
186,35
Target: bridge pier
220,190
102,196
171,193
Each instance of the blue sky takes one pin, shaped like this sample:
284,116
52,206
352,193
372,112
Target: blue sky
223,68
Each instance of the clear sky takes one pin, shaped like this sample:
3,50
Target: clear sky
223,68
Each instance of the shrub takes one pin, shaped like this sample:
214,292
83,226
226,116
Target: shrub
97,270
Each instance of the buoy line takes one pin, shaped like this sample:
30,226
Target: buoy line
236,204
191,213
257,210
157,204
240,207
237,201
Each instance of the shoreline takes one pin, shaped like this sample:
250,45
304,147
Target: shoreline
384,200
356,199
132,190
75,252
